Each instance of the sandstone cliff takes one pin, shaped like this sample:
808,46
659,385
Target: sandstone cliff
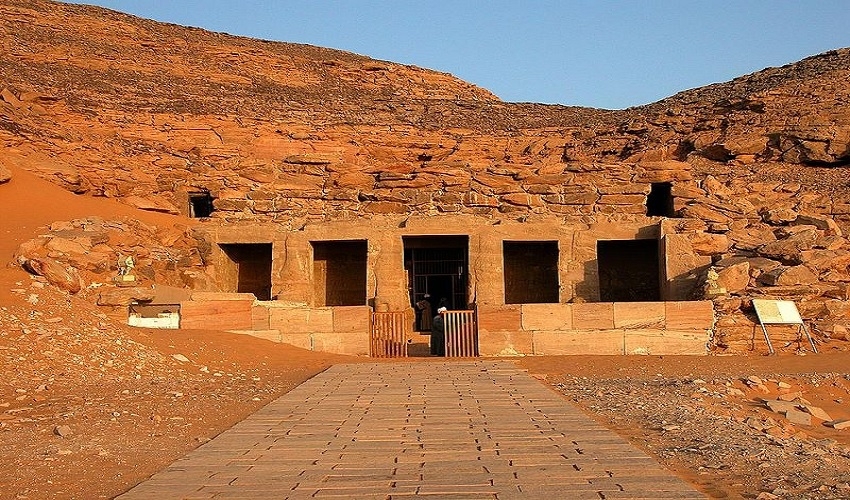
110,105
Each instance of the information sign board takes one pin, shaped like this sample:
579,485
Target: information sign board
779,312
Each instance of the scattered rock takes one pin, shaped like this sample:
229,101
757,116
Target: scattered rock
55,273
5,174
818,412
838,424
63,431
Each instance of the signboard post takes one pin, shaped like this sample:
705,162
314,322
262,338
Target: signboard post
780,312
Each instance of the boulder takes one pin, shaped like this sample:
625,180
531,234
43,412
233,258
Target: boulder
824,260
837,309
788,276
788,249
777,216
124,296
30,249
751,237
716,188
55,273
734,278
68,246
822,222
832,330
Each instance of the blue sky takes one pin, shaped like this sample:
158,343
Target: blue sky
604,54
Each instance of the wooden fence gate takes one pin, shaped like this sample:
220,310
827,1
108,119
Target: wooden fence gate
387,338
461,334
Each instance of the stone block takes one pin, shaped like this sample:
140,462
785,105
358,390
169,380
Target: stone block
691,315
351,319
352,344
798,417
500,318
259,318
593,316
602,342
302,340
301,319
216,314
547,317
638,314
669,342
504,343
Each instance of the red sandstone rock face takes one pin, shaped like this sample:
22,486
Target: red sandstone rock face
294,133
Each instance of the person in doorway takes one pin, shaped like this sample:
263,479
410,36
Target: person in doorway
424,307
438,334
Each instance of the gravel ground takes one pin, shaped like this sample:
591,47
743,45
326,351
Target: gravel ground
720,435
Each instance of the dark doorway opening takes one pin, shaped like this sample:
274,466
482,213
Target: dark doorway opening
339,273
438,272
531,272
628,270
250,269
200,204
659,202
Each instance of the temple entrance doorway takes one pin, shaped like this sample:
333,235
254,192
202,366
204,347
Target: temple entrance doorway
438,272
628,270
248,268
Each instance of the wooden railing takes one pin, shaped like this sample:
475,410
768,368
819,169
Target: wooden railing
388,335
461,334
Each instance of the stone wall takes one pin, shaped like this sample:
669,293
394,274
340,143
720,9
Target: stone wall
596,328
293,270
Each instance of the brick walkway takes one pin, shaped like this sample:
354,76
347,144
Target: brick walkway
448,430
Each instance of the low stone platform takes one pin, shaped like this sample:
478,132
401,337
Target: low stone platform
448,430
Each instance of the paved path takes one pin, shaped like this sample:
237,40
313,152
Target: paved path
447,430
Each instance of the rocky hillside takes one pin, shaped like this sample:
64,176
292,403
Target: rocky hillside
114,105
109,105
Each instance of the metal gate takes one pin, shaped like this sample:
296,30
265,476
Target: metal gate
387,336
461,334
440,273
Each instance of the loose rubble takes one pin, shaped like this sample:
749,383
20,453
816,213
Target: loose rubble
732,436
89,406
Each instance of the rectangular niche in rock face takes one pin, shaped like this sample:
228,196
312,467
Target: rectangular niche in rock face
200,204
659,202
628,270
248,268
339,273
531,272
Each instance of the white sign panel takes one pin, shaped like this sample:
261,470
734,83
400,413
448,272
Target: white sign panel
782,312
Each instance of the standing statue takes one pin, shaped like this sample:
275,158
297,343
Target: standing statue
125,268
